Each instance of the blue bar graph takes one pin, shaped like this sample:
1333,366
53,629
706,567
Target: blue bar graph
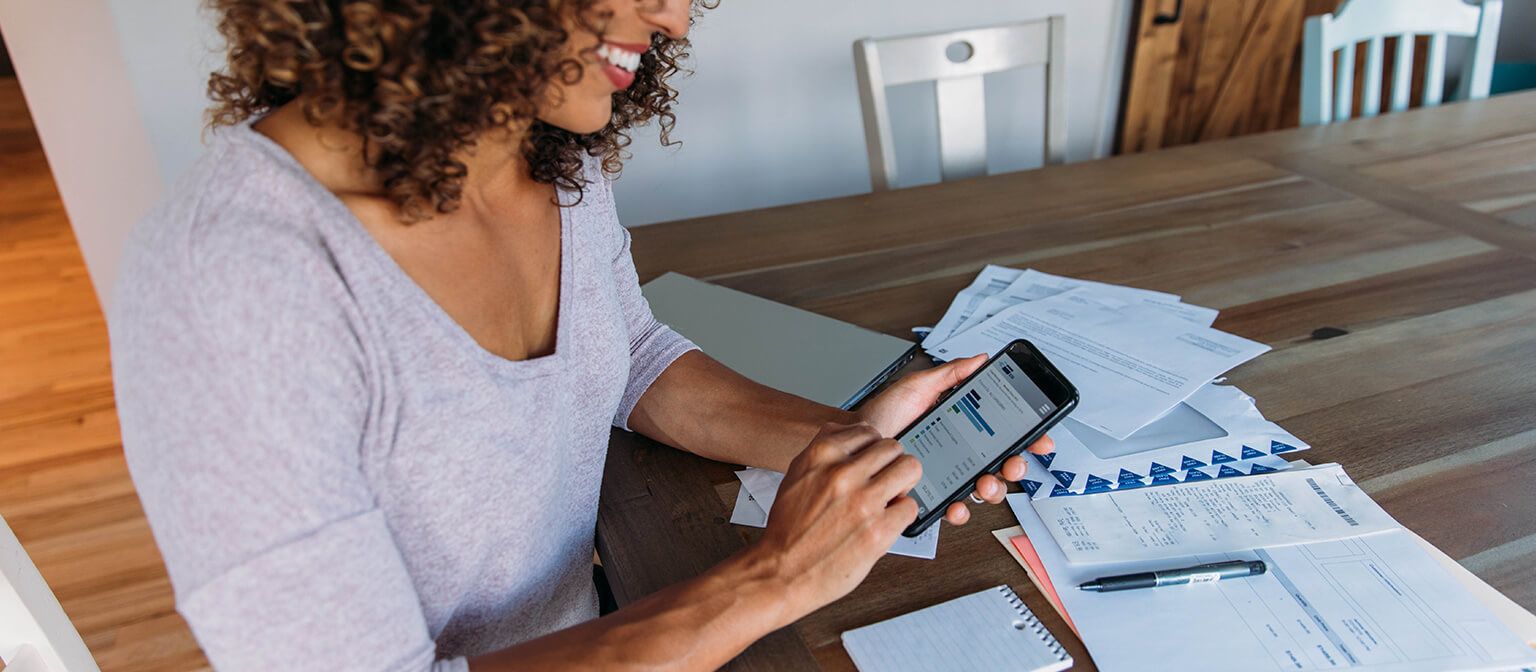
966,411
975,415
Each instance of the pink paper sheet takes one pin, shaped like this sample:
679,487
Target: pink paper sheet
1026,549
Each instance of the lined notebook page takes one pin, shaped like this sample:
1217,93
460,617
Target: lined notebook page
991,630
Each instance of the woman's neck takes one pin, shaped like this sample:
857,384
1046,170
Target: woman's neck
495,169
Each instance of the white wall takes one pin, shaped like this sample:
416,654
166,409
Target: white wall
772,114
117,89
171,47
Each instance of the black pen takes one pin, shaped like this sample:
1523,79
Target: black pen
1215,571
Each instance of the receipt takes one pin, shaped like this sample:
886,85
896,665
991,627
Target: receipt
1294,506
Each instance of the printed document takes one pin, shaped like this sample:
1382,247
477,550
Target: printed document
1131,362
1375,603
1288,507
990,281
1032,285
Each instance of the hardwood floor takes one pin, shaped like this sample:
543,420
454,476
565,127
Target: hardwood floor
64,487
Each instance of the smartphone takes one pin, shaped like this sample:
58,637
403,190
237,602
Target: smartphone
995,414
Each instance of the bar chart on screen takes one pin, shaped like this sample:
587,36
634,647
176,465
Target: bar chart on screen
946,456
970,406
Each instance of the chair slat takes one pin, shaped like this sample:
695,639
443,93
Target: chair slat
1402,72
962,127
1344,88
1056,94
1316,72
1371,106
1477,68
1434,71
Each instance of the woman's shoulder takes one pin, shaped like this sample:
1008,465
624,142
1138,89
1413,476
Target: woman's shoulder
239,201
243,182
243,234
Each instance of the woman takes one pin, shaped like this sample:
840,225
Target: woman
369,351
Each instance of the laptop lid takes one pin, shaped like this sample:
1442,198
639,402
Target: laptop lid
794,350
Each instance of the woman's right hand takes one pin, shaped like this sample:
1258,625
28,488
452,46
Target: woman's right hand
841,505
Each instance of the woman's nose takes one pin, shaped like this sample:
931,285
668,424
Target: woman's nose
670,17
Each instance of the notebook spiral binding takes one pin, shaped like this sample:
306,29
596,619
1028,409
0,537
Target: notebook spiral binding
1032,622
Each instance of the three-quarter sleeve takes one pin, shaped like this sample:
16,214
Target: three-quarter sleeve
244,394
653,346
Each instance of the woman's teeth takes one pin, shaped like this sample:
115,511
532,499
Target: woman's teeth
627,60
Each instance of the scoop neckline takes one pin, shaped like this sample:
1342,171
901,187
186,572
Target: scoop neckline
542,365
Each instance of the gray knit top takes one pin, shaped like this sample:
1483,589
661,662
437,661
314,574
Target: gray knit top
338,475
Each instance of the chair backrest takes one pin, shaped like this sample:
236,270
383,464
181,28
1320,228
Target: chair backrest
35,635
955,61
1327,97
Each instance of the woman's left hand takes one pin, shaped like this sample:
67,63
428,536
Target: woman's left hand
913,395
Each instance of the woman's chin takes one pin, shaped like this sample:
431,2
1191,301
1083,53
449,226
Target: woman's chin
581,124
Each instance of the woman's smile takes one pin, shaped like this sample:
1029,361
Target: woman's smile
620,60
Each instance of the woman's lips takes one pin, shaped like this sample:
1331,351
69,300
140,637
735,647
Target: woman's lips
620,77
619,61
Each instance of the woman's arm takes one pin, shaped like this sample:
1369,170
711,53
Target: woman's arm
705,408
842,503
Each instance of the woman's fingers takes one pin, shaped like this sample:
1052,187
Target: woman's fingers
943,377
1014,468
901,512
1045,445
990,489
897,475
835,442
957,514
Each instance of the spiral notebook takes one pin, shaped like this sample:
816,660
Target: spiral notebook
989,630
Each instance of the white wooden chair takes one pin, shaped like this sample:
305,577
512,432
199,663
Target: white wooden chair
956,61
35,635
1326,97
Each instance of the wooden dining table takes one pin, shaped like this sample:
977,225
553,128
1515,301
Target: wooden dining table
1390,263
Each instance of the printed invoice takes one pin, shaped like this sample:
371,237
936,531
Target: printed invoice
1231,514
1375,603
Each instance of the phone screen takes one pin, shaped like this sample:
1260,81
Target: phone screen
970,429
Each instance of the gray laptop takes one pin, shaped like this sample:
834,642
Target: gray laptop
794,350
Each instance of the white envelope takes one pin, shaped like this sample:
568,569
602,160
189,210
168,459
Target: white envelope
1215,433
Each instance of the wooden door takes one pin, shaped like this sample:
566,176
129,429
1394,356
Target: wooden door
1208,69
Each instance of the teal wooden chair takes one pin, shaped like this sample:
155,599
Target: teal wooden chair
1327,97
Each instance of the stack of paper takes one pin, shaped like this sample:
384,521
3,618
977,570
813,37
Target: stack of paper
1346,586
1145,364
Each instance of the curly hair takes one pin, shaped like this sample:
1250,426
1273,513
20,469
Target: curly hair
421,80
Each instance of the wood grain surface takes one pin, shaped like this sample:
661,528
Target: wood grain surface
1415,233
